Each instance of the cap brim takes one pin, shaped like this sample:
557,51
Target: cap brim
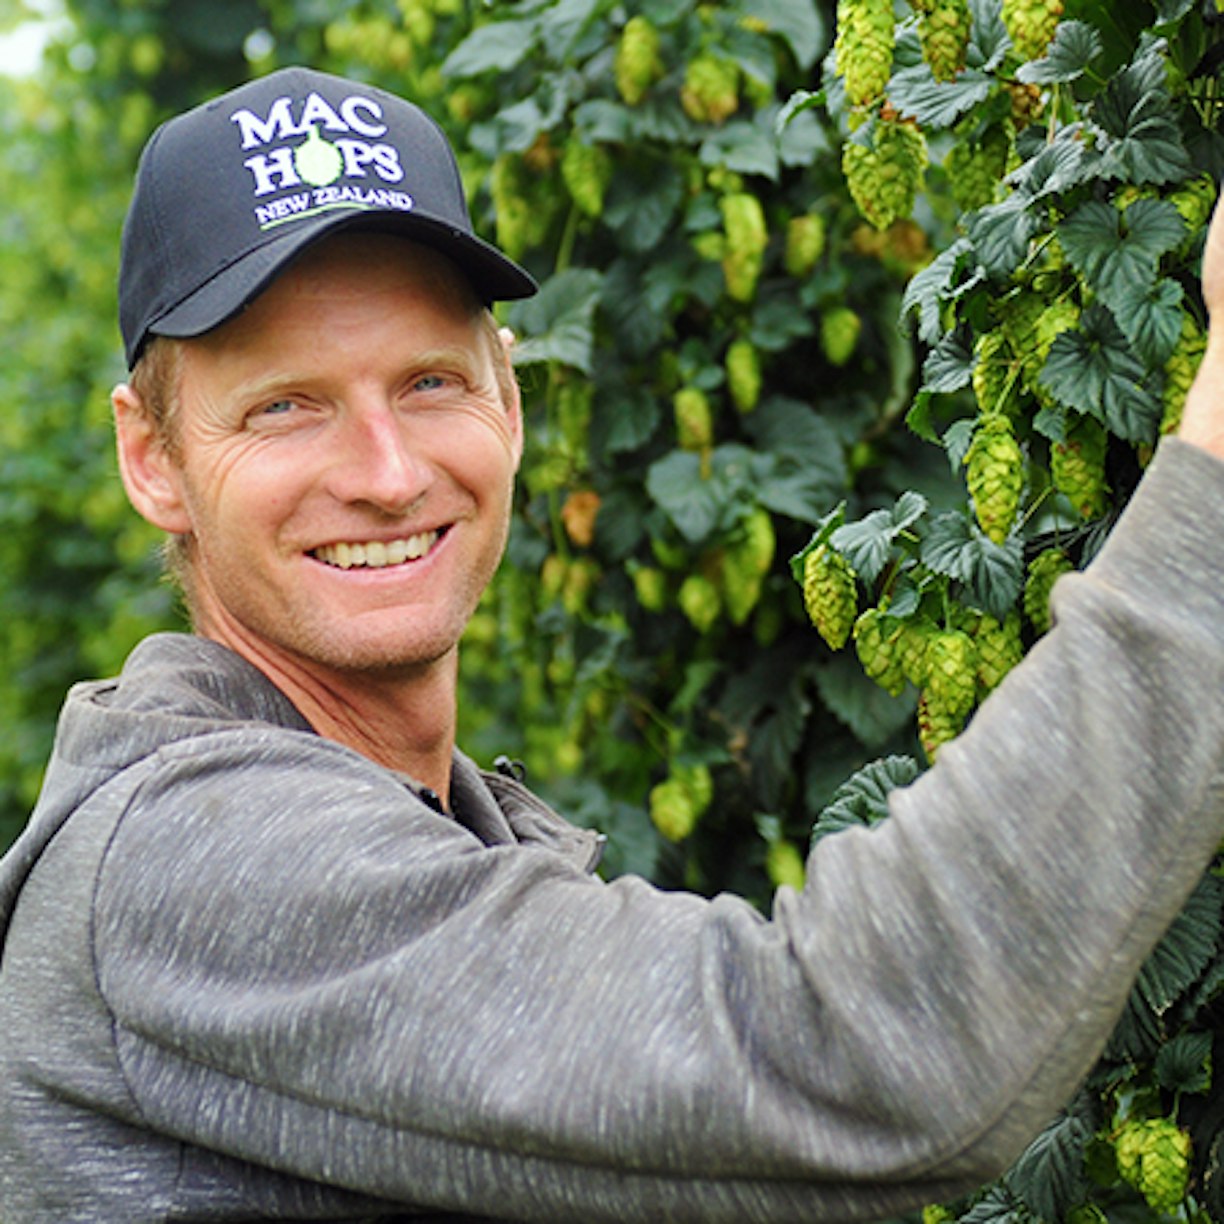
493,276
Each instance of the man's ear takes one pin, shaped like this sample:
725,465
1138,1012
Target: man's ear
151,477
514,408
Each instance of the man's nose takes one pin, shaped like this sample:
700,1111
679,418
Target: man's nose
374,461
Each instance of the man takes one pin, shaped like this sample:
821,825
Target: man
273,948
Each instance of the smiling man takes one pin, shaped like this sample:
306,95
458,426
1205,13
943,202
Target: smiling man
273,947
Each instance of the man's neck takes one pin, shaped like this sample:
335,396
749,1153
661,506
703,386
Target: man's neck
403,720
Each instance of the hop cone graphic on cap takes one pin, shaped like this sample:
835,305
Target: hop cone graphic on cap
317,161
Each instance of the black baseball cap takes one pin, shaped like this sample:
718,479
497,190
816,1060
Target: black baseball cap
228,193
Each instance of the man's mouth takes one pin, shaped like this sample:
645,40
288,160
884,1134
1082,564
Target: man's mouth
377,554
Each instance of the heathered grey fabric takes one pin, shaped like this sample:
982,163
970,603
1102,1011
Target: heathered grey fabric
249,974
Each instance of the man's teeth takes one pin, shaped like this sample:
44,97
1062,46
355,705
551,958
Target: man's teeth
376,554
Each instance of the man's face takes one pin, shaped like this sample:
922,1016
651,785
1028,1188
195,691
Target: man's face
346,460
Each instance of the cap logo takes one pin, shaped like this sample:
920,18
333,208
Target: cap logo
294,178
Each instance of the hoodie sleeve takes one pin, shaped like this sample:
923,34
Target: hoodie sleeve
310,969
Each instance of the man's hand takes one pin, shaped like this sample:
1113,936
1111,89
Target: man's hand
1203,416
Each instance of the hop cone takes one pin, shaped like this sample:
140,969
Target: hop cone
992,370
936,725
710,93
586,171
743,364
999,648
975,169
839,332
1154,1157
1044,570
805,243
943,29
745,565
952,665
1031,25
747,236
995,465
694,420
1179,371
864,47
884,177
1077,467
877,638
637,65
829,594
700,601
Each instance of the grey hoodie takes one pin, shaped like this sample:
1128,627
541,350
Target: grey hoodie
247,973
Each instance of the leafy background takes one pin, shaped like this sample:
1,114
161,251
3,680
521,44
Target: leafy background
752,344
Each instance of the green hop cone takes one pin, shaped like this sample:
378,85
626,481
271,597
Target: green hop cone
784,864
1180,369
1031,25
864,47
747,236
1059,316
1044,570
700,601
650,587
805,243
586,171
745,565
743,364
995,465
637,63
992,371
830,594
916,637
694,419
1077,467
1154,1156
839,333
976,168
1194,201
999,648
885,175
710,93
936,725
943,29
952,666
877,641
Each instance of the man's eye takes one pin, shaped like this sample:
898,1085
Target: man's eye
278,408
429,382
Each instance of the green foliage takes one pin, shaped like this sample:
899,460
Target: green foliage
734,335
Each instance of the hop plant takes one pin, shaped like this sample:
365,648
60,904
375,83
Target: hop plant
650,587
694,420
1179,372
1059,316
952,667
999,648
916,637
710,93
995,466
747,236
884,176
1077,467
586,171
743,364
943,29
1031,25
637,64
1194,201
976,168
936,725
877,641
829,594
839,333
805,243
784,864
864,47
1154,1156
1043,571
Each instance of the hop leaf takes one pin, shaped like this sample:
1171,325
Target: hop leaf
864,47
1044,570
995,465
1154,1156
829,594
